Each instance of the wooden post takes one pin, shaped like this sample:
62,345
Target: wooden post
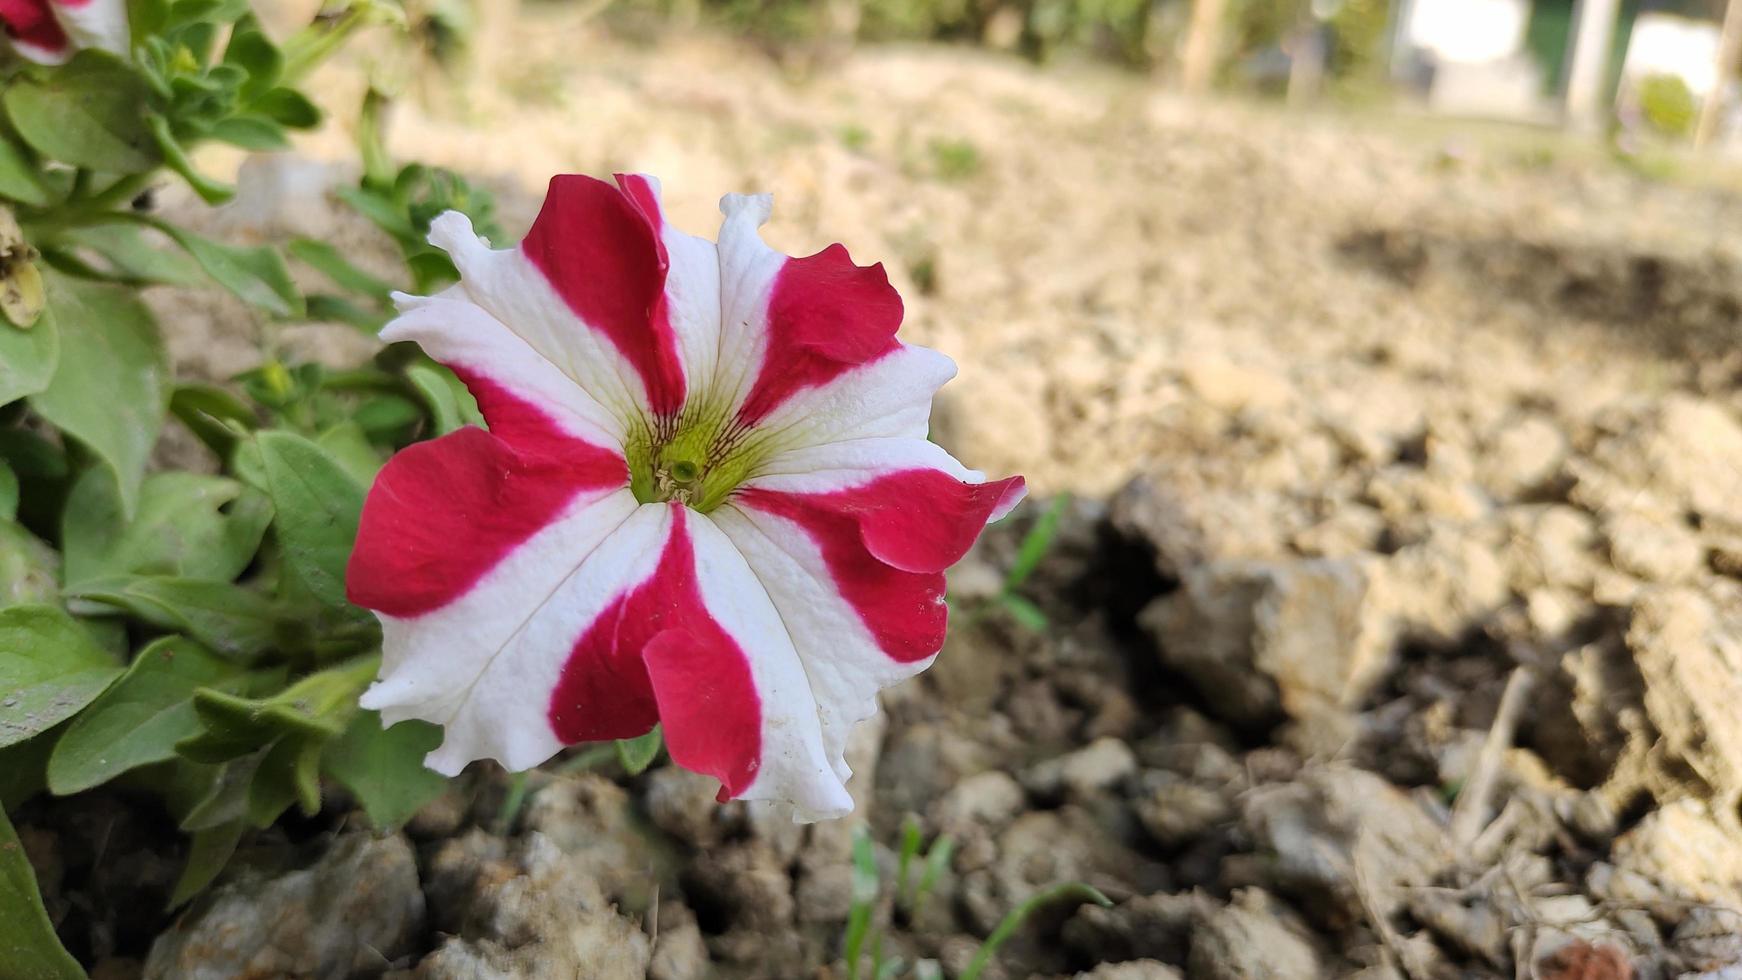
1203,45
1729,50
1588,68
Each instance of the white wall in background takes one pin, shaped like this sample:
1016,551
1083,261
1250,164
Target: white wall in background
1468,31
1664,44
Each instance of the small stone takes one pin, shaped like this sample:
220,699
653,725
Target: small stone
1232,387
1524,454
1131,970
747,880
1262,638
1655,549
1246,940
682,803
354,911
592,821
1683,845
1149,926
679,953
1176,811
533,913
1330,821
1095,768
988,800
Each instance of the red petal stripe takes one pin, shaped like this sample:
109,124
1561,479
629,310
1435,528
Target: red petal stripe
443,513
31,22
657,654
886,544
603,255
825,316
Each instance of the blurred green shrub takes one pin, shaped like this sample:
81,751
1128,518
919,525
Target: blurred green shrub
1115,29
1667,105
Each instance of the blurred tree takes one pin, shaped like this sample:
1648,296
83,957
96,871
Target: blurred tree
1203,44
1729,53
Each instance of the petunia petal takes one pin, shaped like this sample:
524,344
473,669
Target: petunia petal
851,540
866,630
485,665
34,31
463,542
733,665
459,333
584,290
100,24
791,324
692,282
886,398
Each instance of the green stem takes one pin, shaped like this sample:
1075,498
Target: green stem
122,191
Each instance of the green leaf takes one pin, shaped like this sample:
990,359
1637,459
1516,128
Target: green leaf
208,852
129,257
636,754
1036,543
254,53
386,417
1026,613
183,12
318,706
19,178
138,721
227,799
911,839
225,617
8,495
217,417
111,396
28,357
256,274
387,214
431,270
1070,891
24,768
32,950
147,17
255,133
325,308
333,264
371,146
176,157
350,447
49,670
384,768
28,567
288,107
318,508
187,525
88,113
438,396
290,773
864,895
937,860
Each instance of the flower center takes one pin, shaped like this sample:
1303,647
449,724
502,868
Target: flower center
696,459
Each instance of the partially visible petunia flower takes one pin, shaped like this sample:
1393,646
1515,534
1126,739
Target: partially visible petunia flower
50,31
705,500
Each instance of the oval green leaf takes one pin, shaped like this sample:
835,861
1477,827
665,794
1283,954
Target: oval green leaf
28,944
112,396
50,668
88,113
138,721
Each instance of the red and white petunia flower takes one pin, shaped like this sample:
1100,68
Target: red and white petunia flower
49,31
705,500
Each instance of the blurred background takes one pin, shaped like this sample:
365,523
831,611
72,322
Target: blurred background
1375,364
